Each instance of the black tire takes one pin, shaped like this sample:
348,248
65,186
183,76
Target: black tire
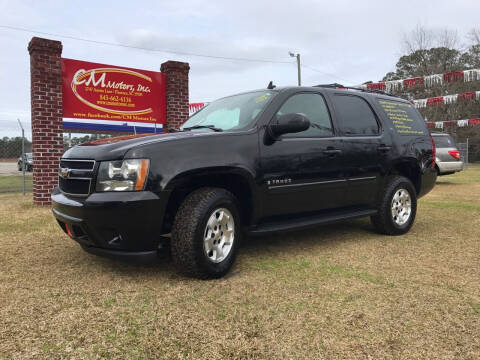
385,222
189,229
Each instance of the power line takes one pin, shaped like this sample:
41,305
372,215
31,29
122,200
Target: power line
142,48
10,120
325,73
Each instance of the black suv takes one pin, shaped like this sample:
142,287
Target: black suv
253,163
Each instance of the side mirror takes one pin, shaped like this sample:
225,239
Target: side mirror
288,123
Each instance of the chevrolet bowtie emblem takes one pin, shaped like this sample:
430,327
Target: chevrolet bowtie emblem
64,172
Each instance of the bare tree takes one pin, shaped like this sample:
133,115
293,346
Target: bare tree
422,38
447,38
419,38
474,36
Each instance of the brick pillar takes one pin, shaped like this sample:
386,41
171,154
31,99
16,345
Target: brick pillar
177,92
46,107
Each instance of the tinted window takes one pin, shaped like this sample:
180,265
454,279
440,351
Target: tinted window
444,141
355,115
314,108
404,117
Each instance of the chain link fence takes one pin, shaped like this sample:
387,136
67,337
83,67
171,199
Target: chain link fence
72,139
13,178
16,179
463,148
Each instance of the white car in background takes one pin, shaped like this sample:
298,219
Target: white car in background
448,160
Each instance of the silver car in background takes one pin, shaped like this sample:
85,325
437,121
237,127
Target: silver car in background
28,159
448,159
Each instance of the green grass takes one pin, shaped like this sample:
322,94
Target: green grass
475,307
335,270
454,205
467,176
340,291
15,183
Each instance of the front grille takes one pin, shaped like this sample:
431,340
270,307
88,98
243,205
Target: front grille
74,187
77,164
75,176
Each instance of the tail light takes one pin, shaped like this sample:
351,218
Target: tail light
454,153
434,151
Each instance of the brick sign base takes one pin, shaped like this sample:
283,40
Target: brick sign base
46,108
46,103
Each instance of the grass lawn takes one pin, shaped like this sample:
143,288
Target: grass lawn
15,183
335,292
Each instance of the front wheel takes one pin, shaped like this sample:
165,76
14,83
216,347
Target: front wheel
206,233
397,207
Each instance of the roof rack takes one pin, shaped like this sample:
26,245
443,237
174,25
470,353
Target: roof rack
340,86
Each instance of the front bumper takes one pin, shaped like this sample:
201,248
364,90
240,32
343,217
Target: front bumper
113,224
450,166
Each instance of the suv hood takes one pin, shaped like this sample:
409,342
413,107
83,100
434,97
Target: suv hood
113,139
115,148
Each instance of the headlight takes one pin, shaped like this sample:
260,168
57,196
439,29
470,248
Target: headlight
126,175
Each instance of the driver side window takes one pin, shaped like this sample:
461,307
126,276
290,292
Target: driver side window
313,106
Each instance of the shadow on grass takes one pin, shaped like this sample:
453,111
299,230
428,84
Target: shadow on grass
443,182
323,235
253,246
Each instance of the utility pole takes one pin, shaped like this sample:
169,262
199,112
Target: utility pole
298,67
23,155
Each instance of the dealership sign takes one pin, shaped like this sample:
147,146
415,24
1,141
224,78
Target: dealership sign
98,96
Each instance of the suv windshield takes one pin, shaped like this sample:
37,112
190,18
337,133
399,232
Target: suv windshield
230,113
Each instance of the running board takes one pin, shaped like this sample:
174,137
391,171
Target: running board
308,221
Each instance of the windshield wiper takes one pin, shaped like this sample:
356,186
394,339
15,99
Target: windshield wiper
211,127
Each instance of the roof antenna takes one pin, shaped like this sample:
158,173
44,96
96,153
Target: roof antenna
271,86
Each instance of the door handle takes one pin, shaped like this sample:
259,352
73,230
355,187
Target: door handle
332,152
384,148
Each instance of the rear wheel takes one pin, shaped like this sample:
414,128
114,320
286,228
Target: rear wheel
397,207
206,233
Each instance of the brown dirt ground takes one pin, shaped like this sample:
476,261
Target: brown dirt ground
335,292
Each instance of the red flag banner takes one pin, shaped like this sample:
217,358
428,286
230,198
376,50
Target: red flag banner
447,99
435,101
427,80
376,86
453,76
412,82
467,95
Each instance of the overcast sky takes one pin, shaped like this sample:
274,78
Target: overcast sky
345,41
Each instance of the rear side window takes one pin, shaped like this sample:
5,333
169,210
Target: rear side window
355,115
444,141
405,118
